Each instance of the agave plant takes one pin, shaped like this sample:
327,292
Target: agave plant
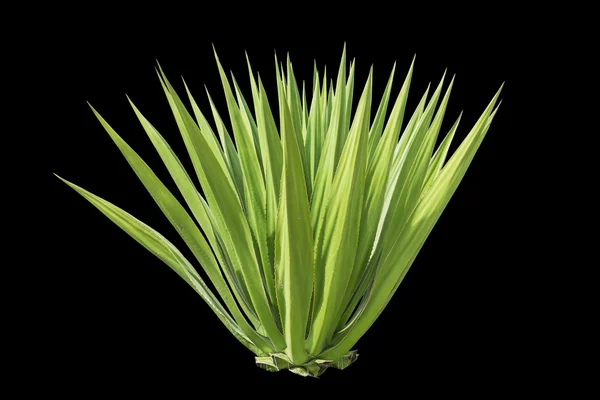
305,228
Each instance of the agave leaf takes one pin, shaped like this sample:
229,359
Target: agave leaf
328,161
201,121
261,290
304,110
376,180
420,223
349,91
248,119
229,215
360,297
340,127
410,129
482,134
181,178
400,172
253,85
324,108
294,102
313,136
191,130
437,162
378,122
414,165
165,251
335,254
294,246
272,160
258,216
436,124
330,105
196,144
281,88
231,156
175,212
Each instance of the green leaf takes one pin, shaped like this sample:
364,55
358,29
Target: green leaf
177,215
314,134
165,251
294,102
261,290
196,143
229,215
378,122
295,108
231,156
340,128
400,172
330,106
272,161
349,92
248,119
328,161
376,181
414,165
335,254
253,85
325,100
409,129
437,162
294,246
420,223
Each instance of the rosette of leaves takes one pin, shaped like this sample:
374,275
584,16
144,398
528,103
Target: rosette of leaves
306,226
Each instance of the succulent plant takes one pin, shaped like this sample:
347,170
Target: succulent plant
305,227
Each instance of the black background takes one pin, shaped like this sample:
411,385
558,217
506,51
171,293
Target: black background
118,317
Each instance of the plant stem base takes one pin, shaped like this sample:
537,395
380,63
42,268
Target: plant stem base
315,367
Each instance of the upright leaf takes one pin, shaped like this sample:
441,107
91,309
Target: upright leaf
231,155
248,119
254,191
177,215
420,223
378,122
413,167
335,254
314,135
230,216
376,180
439,158
328,161
294,246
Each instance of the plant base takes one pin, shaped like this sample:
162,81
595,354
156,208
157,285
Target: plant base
278,361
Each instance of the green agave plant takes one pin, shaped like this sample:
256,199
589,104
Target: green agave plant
305,229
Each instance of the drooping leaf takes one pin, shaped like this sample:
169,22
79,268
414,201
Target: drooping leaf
165,251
